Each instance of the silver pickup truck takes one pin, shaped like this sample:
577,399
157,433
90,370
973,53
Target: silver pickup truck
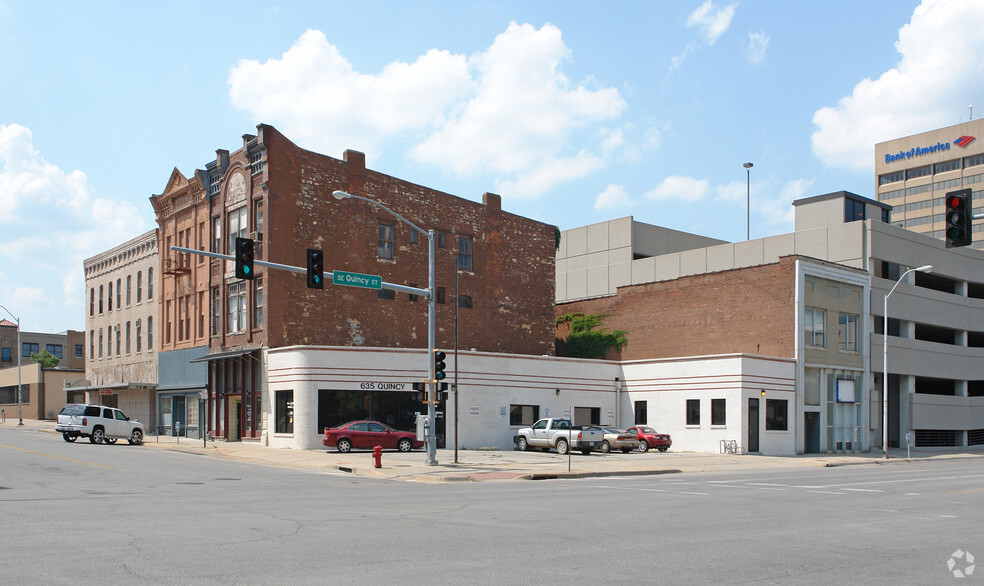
560,435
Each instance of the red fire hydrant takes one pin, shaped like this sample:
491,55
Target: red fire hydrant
377,456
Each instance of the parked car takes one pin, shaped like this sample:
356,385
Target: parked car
99,423
616,439
650,438
367,435
560,435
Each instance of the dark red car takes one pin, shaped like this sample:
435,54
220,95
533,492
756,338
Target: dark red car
650,438
369,434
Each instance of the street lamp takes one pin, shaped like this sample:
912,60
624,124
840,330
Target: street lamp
431,323
748,199
922,269
20,418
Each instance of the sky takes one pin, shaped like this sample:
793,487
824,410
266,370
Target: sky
574,112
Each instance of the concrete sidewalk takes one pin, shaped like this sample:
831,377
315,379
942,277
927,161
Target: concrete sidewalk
492,465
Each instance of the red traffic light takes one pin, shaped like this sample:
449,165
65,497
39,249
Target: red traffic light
958,229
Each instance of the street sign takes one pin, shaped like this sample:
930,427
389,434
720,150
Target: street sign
357,280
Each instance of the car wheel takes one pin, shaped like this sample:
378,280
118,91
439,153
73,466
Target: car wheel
98,435
663,448
522,445
69,437
110,440
562,447
344,446
626,450
136,437
605,447
404,445
643,446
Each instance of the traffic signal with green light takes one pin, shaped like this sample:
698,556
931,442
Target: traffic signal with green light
439,365
315,269
244,258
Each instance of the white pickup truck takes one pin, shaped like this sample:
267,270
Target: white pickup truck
560,435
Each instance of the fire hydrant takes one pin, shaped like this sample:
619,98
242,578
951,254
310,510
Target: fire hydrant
377,456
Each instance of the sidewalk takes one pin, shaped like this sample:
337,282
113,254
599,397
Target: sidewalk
491,465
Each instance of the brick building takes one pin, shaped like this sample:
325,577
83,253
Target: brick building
42,394
280,195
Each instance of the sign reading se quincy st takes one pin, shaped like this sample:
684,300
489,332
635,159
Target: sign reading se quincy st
357,280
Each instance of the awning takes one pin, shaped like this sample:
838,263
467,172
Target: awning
114,387
222,355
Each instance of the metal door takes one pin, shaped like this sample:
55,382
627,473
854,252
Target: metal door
753,425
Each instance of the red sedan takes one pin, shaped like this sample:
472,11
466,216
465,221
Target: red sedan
369,434
650,438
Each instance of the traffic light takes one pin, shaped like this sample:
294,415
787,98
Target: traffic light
315,269
958,228
439,365
244,258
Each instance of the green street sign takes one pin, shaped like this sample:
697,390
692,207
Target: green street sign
357,280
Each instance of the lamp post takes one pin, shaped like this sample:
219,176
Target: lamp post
748,199
431,323
20,418
922,269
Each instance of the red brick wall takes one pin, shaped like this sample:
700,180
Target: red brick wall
748,310
512,285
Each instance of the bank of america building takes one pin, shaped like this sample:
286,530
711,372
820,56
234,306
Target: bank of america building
915,172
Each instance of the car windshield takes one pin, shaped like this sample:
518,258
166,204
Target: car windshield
72,410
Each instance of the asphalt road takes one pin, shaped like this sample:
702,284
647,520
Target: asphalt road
81,513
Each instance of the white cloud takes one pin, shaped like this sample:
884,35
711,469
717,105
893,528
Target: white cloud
734,191
758,45
508,110
612,198
52,221
940,71
711,21
779,211
680,188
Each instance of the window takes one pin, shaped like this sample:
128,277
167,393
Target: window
129,283
109,341
127,337
100,343
719,411
150,283
216,234
187,316
848,338
119,336
150,334
973,161
138,334
890,177
919,172
79,351
201,240
237,226
464,301
946,166
440,239
216,310
54,349
814,327
167,321
285,412
29,348
180,311
109,298
693,411
92,302
6,355
236,307
139,284
412,296
386,241
641,413
92,344
119,293
385,294
853,210
441,295
523,414
775,415
200,306
100,299
465,253
885,215
258,302
413,236
258,216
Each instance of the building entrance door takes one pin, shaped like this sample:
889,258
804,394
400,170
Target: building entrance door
753,425
178,414
811,432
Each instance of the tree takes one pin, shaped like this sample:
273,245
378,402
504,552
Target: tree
585,341
47,359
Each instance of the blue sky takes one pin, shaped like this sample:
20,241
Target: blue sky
575,112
